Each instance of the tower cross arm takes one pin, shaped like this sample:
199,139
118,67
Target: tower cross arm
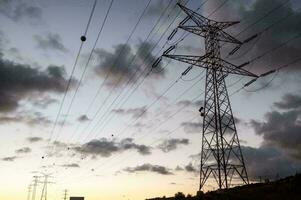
195,17
204,30
204,62
200,20
193,60
230,68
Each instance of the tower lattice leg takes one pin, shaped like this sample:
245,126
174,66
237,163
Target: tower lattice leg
221,156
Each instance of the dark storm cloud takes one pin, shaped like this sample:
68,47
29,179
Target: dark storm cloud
269,163
289,101
23,150
192,127
120,63
72,165
83,118
172,144
20,81
134,112
284,30
105,148
282,130
34,139
149,168
280,151
51,41
18,10
10,158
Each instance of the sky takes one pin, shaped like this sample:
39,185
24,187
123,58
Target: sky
121,131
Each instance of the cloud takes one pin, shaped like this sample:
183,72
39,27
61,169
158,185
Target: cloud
19,10
192,127
172,144
196,127
34,139
289,101
105,148
9,159
51,41
23,150
43,102
190,168
149,168
72,165
83,118
187,103
121,63
280,151
282,130
284,30
20,82
267,162
134,112
29,118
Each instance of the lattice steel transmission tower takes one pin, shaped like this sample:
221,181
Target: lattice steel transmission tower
45,188
34,189
221,156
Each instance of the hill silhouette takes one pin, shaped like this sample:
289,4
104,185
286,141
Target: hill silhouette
286,188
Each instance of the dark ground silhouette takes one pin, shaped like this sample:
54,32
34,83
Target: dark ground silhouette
288,188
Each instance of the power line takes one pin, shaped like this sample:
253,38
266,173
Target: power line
98,91
128,41
111,67
122,50
157,22
83,39
276,71
120,78
86,66
132,32
259,36
261,18
266,53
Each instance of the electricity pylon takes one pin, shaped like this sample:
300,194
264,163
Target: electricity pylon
29,191
45,183
34,189
65,194
221,156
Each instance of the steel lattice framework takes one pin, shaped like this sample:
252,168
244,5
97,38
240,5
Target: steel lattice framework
221,156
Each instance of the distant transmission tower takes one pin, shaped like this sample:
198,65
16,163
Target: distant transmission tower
221,156
65,194
34,189
29,191
45,183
